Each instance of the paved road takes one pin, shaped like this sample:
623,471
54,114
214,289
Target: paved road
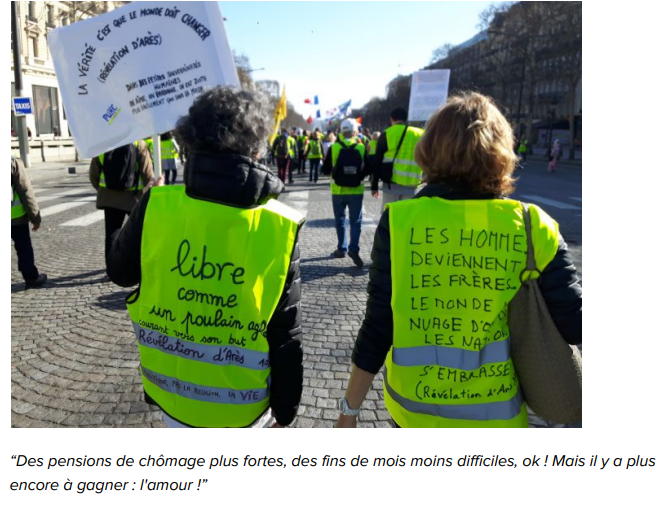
74,359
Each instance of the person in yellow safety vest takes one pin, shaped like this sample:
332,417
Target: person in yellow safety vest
314,154
371,154
25,210
446,264
394,160
523,147
217,313
169,156
302,141
345,161
284,149
120,176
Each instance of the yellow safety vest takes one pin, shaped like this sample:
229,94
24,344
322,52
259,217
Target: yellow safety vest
456,267
168,150
373,146
310,154
335,150
17,206
406,171
102,178
204,304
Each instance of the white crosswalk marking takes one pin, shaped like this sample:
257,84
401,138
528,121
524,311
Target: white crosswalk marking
85,220
366,220
60,208
549,202
69,193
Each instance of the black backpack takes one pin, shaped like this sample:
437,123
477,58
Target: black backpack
282,147
119,167
348,170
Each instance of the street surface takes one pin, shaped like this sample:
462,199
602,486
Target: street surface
74,356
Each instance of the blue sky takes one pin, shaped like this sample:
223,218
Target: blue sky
344,50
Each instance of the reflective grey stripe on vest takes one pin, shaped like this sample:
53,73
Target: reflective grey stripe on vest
500,410
456,358
402,161
415,175
210,354
205,393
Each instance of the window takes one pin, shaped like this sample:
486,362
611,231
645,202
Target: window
47,117
65,21
33,48
50,15
32,11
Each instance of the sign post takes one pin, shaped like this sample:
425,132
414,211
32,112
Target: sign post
133,72
22,133
430,89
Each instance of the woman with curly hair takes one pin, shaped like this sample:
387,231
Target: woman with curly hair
445,266
217,310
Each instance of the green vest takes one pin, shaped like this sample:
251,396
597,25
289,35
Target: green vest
17,206
312,156
406,171
168,150
335,150
102,178
206,297
372,147
457,265
292,147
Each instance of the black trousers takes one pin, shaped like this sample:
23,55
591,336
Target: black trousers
170,174
113,218
24,251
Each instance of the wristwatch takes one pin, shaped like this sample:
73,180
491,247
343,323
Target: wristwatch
346,409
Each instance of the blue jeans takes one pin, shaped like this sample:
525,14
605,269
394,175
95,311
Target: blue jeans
354,205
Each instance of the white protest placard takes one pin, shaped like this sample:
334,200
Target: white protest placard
134,71
430,89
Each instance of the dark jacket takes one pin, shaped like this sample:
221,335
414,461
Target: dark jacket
559,285
236,181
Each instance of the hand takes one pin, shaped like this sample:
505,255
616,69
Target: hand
35,226
160,181
375,193
346,422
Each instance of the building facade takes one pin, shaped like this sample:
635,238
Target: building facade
35,20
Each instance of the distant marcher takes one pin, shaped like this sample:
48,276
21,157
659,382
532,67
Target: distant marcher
120,178
329,139
440,282
217,313
302,140
345,162
314,154
169,157
394,160
284,149
523,146
25,210
555,155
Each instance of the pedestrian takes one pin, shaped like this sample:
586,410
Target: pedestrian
284,152
302,140
445,266
169,157
217,312
120,176
25,210
314,156
522,152
555,155
371,153
345,162
329,139
394,160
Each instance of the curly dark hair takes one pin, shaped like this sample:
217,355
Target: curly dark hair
225,119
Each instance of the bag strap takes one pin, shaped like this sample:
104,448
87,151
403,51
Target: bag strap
531,261
400,143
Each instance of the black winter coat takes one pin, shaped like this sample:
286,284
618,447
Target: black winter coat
237,181
559,286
